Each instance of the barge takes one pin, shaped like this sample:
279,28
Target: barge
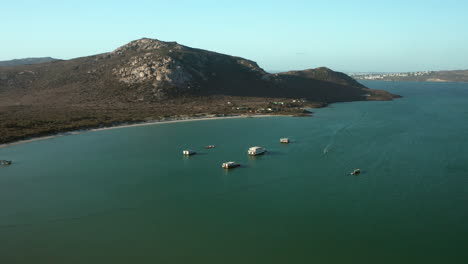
253,151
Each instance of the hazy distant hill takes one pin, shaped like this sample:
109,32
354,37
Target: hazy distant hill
26,61
426,76
151,79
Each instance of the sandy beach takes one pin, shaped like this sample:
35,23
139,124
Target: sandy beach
147,123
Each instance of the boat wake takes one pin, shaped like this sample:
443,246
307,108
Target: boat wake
326,149
338,131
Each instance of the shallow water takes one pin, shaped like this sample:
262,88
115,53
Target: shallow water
128,194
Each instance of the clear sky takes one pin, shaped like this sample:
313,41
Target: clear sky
368,36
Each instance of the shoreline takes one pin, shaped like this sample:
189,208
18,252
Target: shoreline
125,125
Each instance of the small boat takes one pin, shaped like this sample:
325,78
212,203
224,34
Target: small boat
5,162
284,140
230,165
188,152
253,151
356,172
210,146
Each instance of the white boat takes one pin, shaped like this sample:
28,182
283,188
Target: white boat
188,152
230,164
253,151
356,172
284,140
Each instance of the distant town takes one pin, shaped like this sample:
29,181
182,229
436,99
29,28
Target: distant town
420,76
385,76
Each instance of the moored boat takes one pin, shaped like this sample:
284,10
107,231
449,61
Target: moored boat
188,152
230,165
210,146
253,151
284,140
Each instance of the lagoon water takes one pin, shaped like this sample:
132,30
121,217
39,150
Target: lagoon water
128,196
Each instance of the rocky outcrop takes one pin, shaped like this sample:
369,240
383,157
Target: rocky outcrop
146,44
160,71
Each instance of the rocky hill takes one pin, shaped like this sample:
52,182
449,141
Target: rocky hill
151,79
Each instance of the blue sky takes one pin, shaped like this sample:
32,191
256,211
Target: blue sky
280,35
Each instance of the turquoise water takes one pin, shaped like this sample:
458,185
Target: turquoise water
128,196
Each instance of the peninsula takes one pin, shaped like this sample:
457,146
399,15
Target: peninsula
148,80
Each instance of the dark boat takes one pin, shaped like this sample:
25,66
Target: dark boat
230,165
5,162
